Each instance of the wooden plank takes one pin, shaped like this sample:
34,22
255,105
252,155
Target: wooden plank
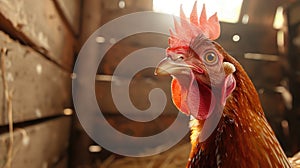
140,5
38,146
91,19
125,47
273,105
254,38
71,10
139,94
109,15
43,29
264,74
293,15
40,88
140,129
80,155
113,9
114,56
63,163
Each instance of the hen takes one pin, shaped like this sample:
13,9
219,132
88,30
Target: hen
229,128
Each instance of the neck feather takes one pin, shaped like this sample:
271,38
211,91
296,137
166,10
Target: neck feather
243,135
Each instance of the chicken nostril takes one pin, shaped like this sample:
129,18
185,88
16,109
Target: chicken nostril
176,58
179,58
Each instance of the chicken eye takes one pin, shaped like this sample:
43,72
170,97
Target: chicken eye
210,58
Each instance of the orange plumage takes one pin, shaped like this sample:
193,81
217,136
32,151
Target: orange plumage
243,137
229,128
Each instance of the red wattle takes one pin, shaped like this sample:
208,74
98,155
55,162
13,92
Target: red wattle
192,98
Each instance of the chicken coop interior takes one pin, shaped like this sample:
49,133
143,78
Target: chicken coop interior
41,41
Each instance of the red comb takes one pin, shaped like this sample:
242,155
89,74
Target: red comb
186,30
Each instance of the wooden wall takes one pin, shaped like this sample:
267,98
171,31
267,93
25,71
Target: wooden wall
95,14
292,47
257,37
37,41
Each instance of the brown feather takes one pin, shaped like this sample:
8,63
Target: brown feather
243,137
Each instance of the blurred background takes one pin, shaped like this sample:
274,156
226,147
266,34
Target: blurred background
40,40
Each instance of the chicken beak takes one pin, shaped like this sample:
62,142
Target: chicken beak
167,66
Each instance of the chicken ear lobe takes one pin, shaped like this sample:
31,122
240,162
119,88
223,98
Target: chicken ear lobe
228,87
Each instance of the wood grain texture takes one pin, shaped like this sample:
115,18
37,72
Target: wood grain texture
42,29
71,9
63,163
112,10
138,91
254,38
264,74
91,19
80,155
140,129
129,4
38,146
40,88
124,48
